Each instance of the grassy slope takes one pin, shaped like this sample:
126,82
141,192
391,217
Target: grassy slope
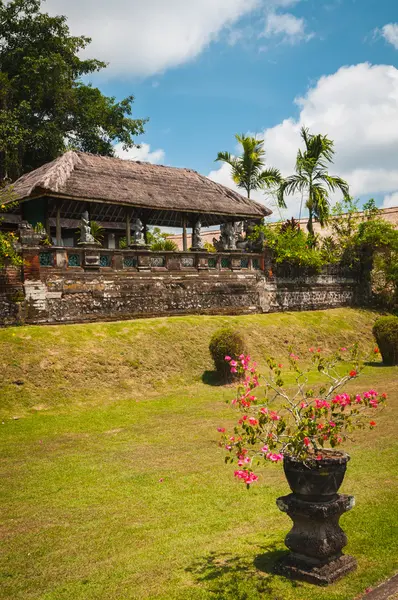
120,406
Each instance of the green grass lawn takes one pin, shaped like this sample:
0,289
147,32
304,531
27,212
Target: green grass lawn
113,485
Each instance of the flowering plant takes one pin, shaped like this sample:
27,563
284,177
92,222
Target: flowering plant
299,423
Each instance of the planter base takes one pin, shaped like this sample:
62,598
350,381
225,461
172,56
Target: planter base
319,575
316,539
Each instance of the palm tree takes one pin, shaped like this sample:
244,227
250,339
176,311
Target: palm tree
248,169
312,178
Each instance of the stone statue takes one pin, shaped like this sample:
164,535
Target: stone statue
137,232
228,236
86,237
197,243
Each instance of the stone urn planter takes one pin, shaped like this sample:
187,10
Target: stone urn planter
301,426
316,539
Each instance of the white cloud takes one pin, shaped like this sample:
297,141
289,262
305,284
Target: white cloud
357,107
390,201
287,25
390,34
143,153
146,37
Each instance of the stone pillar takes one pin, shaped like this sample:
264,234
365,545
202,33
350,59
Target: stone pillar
144,261
236,263
316,540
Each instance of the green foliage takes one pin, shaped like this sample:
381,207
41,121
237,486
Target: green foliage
385,331
158,242
226,342
248,169
97,231
312,178
209,247
291,245
8,253
45,106
123,243
164,245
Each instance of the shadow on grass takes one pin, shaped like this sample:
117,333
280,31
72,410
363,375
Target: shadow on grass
230,577
370,363
212,378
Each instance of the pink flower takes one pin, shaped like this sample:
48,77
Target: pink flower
373,403
322,404
234,370
273,457
332,424
303,405
253,421
221,429
228,358
233,363
311,350
264,410
228,447
264,449
274,416
343,349
245,476
294,356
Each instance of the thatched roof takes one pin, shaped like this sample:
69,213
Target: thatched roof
87,177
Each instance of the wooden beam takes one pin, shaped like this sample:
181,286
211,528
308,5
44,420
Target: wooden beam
58,232
184,233
128,227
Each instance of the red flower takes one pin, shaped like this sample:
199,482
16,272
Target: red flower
307,441
372,423
353,373
221,429
376,350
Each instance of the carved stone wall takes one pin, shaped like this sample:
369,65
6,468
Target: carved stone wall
57,295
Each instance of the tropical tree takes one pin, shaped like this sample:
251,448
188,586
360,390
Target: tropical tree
312,178
45,106
248,170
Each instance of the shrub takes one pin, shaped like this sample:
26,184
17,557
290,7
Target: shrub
226,342
385,331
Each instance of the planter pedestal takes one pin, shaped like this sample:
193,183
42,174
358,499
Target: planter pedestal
316,539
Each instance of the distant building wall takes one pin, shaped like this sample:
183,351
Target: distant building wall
388,214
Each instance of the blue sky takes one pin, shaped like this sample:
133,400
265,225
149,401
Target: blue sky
203,73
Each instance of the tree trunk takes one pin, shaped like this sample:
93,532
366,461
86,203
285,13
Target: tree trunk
310,225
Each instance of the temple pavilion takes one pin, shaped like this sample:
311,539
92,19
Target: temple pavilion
115,192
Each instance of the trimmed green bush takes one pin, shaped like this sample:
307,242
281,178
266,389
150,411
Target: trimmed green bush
226,342
385,331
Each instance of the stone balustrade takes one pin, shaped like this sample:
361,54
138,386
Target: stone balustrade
96,258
